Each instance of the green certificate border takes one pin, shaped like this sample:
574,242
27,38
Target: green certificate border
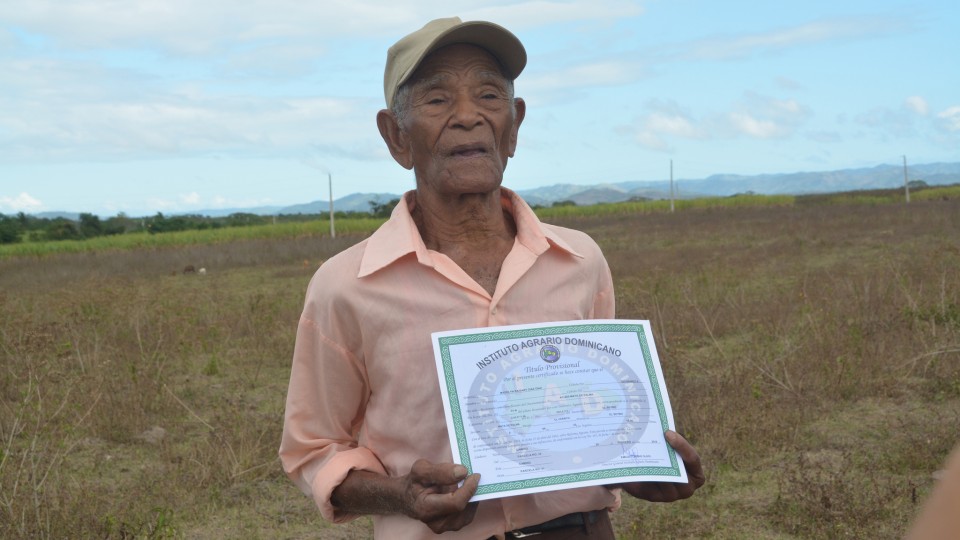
539,482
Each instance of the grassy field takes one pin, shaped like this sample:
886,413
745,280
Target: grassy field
812,352
177,239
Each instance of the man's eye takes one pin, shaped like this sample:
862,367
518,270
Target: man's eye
435,101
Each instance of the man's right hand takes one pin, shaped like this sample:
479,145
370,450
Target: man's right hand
428,493
432,496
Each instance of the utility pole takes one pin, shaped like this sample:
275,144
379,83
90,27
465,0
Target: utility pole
333,231
671,186
906,183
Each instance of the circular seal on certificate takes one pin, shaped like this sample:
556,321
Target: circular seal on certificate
550,353
580,405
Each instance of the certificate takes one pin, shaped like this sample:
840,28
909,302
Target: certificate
542,407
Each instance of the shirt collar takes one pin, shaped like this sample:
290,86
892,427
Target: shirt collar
399,236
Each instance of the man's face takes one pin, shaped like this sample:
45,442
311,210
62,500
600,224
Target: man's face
461,125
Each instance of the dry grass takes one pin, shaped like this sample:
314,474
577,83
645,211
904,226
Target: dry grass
812,354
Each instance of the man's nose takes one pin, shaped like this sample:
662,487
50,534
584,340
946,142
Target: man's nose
466,112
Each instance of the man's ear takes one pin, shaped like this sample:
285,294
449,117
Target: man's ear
396,138
520,111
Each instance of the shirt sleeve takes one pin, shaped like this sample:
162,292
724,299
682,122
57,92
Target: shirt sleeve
604,303
324,411
939,519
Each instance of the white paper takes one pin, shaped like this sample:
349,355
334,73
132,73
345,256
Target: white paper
559,405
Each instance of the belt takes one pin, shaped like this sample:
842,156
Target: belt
577,519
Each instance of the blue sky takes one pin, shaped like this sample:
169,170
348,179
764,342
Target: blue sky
179,105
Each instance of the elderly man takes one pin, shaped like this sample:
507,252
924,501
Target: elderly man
364,430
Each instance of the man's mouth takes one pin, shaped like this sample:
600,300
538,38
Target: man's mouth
468,150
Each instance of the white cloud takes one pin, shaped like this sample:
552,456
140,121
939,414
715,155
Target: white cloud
21,203
79,113
118,96
544,12
822,31
190,27
586,75
917,104
912,120
273,60
754,116
666,119
672,124
219,201
764,117
652,141
950,118
194,201
180,26
887,122
161,205
571,80
754,127
7,40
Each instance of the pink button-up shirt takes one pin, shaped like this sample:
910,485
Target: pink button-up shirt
363,388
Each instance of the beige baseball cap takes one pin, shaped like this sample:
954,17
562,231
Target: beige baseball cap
406,54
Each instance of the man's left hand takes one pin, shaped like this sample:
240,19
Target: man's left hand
672,491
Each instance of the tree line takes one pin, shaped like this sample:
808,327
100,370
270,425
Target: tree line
23,227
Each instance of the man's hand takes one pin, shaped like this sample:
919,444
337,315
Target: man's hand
672,491
431,495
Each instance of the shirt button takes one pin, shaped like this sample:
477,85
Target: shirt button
493,311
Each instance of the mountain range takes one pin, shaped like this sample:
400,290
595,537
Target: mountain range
718,185
724,185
